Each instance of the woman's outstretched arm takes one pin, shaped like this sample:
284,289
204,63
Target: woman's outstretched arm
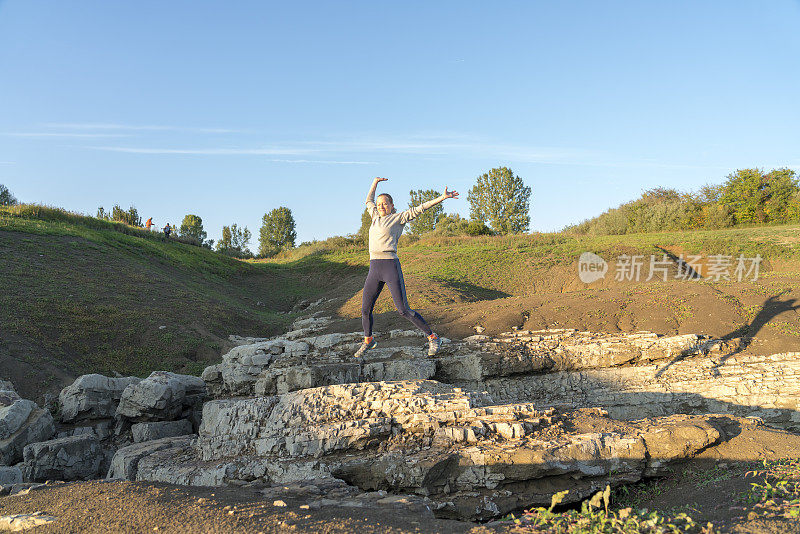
416,211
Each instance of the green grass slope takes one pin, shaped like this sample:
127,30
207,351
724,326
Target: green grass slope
76,299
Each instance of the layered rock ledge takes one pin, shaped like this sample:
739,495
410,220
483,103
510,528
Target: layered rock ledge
469,458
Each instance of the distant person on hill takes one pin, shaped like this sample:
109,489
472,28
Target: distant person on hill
384,266
167,230
149,223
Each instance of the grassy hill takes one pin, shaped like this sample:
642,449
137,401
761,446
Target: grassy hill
80,295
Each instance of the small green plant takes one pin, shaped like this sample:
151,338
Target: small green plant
778,492
596,518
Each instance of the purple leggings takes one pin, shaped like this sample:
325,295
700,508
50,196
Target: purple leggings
387,272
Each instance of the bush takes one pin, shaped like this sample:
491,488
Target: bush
129,216
475,228
337,243
234,242
451,225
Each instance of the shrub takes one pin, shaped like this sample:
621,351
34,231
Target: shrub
475,228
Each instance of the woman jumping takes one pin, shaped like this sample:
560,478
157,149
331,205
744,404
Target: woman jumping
384,266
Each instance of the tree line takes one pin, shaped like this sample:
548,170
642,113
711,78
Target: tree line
277,231
499,204
746,197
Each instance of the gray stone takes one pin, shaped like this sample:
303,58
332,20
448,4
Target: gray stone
6,385
71,458
92,397
10,475
21,422
162,396
161,429
125,462
179,465
761,386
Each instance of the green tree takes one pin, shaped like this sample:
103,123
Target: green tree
755,197
502,200
129,216
277,232
234,241
6,198
192,226
363,231
226,241
427,221
781,186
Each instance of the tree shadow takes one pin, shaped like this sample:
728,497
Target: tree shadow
771,308
472,292
684,269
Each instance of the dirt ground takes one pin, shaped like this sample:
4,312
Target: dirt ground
764,313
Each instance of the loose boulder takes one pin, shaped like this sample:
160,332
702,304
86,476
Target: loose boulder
93,397
162,396
125,462
10,475
71,458
22,421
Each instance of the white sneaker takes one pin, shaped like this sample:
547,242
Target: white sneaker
434,344
365,347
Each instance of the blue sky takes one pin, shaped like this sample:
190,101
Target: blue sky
230,109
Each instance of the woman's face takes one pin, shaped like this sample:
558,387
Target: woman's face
385,207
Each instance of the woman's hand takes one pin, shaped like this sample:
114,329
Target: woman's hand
450,194
377,179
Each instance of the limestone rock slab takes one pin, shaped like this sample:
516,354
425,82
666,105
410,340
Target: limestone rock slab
21,422
162,396
125,462
20,522
92,396
161,429
71,458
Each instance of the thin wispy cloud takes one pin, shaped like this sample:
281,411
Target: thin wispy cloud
460,145
8,162
234,152
429,145
61,135
207,151
137,127
325,161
